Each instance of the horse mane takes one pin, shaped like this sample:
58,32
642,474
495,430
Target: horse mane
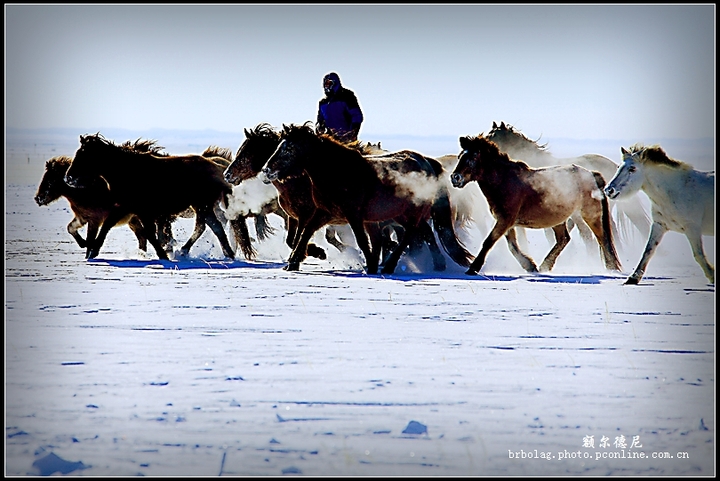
518,133
487,147
654,154
58,162
264,130
144,146
216,151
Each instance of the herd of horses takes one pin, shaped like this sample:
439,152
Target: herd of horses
395,203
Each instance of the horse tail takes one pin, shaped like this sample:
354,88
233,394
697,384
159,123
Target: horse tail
263,229
242,237
606,219
442,218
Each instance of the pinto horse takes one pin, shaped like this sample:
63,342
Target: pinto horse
519,195
682,200
518,146
152,187
404,187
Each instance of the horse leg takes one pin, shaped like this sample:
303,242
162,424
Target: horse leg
601,223
695,239
522,238
387,243
657,231
137,227
292,232
94,244
428,236
73,227
498,230
375,233
149,230
242,236
197,232
525,261
331,235
164,233
211,219
405,240
361,237
562,239
299,252
586,234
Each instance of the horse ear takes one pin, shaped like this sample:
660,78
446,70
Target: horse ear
494,125
624,151
247,134
502,125
464,141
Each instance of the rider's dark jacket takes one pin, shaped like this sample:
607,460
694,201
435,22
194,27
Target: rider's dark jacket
339,112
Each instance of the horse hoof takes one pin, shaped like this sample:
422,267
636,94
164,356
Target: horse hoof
293,266
317,252
471,272
631,281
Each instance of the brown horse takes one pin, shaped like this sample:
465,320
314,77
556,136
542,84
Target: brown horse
405,187
152,187
519,195
518,146
295,194
90,205
222,157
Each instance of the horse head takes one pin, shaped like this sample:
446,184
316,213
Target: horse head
288,158
628,178
83,168
52,183
253,153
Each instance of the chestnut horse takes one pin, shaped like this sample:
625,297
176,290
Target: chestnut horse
519,195
518,146
152,187
404,187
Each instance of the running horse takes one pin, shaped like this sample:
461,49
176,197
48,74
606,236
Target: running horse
152,187
295,193
682,200
403,187
518,146
90,206
519,195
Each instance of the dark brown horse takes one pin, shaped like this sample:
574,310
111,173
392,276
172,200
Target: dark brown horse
295,196
519,195
403,187
90,205
152,187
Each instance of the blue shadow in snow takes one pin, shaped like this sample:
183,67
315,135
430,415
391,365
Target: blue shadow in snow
571,279
185,264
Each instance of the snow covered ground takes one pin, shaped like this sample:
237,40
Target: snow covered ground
126,365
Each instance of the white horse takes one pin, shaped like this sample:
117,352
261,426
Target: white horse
518,146
682,200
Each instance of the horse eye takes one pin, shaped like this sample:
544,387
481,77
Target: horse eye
632,169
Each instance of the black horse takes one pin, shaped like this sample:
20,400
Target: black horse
152,187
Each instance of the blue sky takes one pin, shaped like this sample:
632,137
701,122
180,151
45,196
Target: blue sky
579,71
